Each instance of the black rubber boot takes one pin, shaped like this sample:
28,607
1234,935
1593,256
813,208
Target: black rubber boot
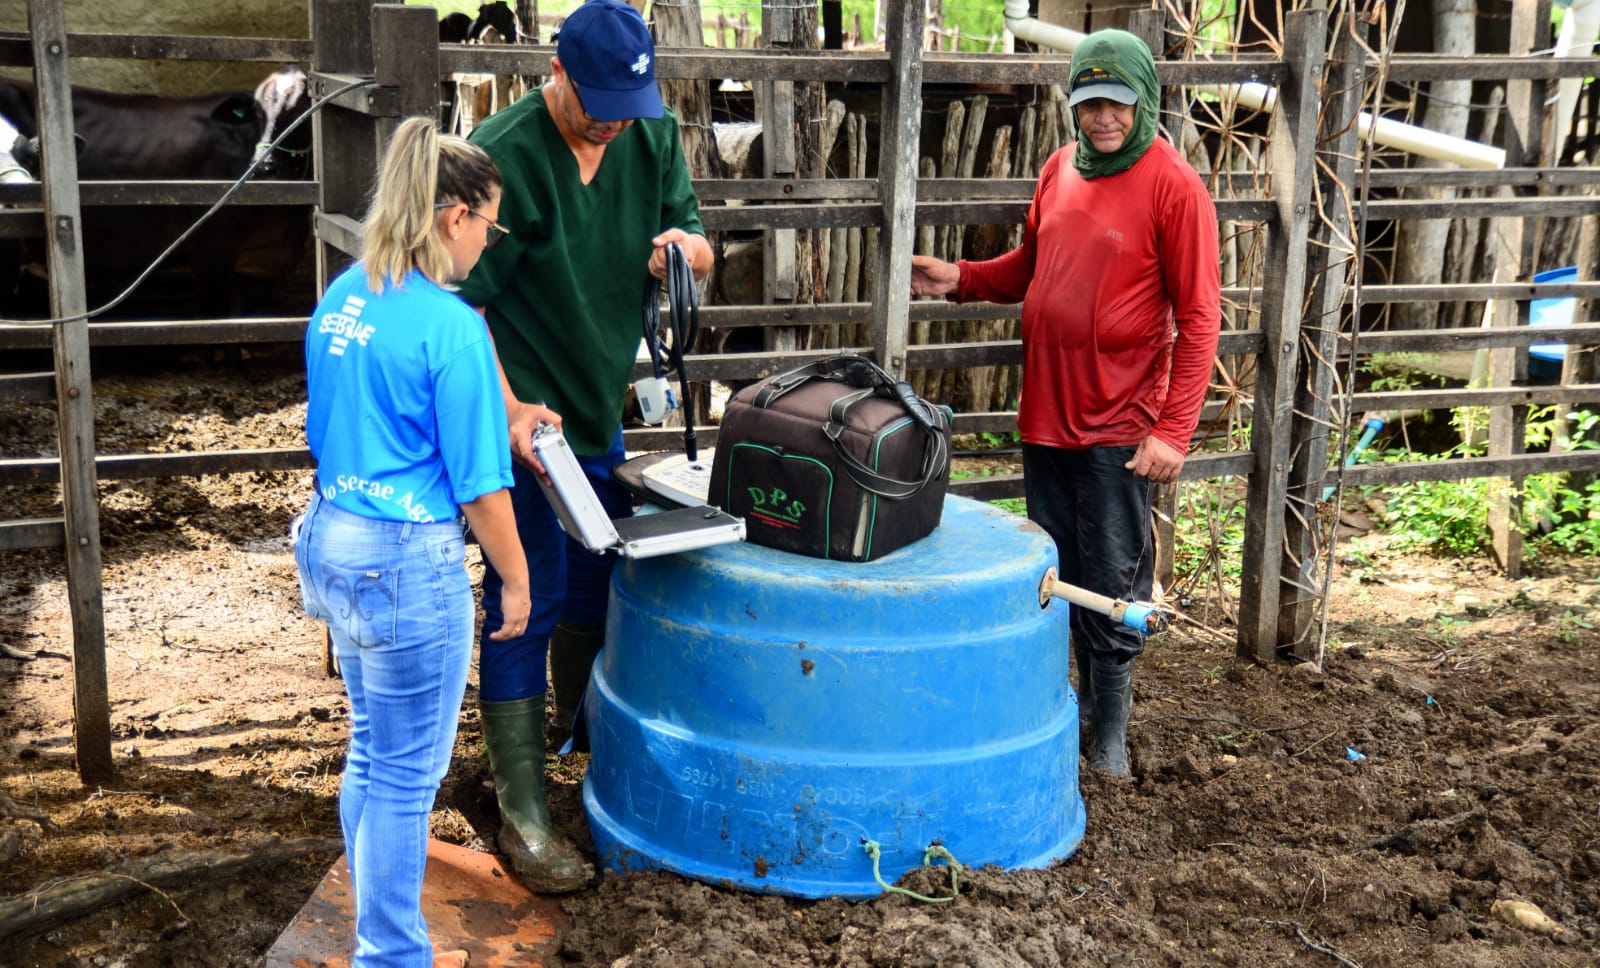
572,652
1112,689
542,859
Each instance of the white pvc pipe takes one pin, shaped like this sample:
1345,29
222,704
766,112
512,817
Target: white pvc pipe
1260,97
1579,31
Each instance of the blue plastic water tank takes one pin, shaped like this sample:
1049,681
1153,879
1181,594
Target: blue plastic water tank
756,715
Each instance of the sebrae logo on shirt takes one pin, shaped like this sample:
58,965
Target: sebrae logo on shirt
345,326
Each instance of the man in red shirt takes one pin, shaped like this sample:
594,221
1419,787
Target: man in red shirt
1121,307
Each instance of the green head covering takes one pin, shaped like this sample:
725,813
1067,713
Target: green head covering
1117,60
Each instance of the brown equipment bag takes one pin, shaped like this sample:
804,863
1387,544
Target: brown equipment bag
835,459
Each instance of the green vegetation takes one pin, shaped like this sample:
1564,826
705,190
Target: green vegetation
1451,516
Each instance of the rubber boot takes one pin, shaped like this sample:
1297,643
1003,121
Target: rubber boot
1111,684
543,860
573,648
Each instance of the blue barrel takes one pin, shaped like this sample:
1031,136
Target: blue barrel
756,715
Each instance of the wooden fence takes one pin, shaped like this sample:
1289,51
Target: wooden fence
1292,326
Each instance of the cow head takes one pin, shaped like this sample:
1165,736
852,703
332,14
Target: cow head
283,99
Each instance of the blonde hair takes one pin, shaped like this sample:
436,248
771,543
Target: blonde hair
422,169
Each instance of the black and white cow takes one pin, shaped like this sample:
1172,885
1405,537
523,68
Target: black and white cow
243,251
145,136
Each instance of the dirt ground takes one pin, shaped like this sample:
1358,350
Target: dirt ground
1251,834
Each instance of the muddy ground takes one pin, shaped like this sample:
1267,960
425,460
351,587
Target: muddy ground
1249,835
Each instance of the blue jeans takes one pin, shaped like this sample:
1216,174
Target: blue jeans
1098,512
568,581
397,598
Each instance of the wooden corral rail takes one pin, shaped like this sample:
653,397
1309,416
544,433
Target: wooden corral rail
1296,361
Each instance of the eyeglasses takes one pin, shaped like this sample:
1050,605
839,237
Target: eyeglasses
492,235
576,97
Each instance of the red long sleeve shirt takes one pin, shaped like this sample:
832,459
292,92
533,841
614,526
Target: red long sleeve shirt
1121,302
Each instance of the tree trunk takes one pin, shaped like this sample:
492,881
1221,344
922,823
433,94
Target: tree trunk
1421,240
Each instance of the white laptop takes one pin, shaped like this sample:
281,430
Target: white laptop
641,536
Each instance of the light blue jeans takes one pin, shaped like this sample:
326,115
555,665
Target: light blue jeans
398,600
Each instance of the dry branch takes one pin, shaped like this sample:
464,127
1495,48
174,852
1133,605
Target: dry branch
57,902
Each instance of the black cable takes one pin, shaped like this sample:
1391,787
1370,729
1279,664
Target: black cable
668,343
232,190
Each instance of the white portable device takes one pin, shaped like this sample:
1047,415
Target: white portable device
679,479
642,536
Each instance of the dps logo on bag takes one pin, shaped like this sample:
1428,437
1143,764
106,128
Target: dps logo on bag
774,503
835,459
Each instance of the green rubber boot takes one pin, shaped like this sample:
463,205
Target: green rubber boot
543,860
572,651
1112,686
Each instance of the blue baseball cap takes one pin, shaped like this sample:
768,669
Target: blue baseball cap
605,46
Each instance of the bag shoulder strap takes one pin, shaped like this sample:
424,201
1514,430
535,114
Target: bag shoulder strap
935,451
776,387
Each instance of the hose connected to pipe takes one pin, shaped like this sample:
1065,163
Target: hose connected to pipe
1135,615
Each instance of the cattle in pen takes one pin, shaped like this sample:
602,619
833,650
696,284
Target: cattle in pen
238,259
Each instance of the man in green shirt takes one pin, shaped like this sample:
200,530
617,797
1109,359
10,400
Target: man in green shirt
595,187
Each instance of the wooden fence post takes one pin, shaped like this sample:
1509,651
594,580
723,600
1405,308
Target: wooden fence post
346,156
1512,253
897,183
1316,418
80,498
406,57
1292,160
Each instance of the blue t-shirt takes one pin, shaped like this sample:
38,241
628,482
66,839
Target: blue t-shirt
405,417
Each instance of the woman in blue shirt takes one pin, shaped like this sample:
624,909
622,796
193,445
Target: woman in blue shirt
409,439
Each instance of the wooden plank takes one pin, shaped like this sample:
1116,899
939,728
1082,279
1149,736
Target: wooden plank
171,193
855,189
1292,159
1467,468
1550,206
1387,178
15,224
686,63
14,48
28,387
32,533
1486,67
1445,340
180,332
855,66
748,366
1446,399
115,467
75,407
897,168
1475,291
340,231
